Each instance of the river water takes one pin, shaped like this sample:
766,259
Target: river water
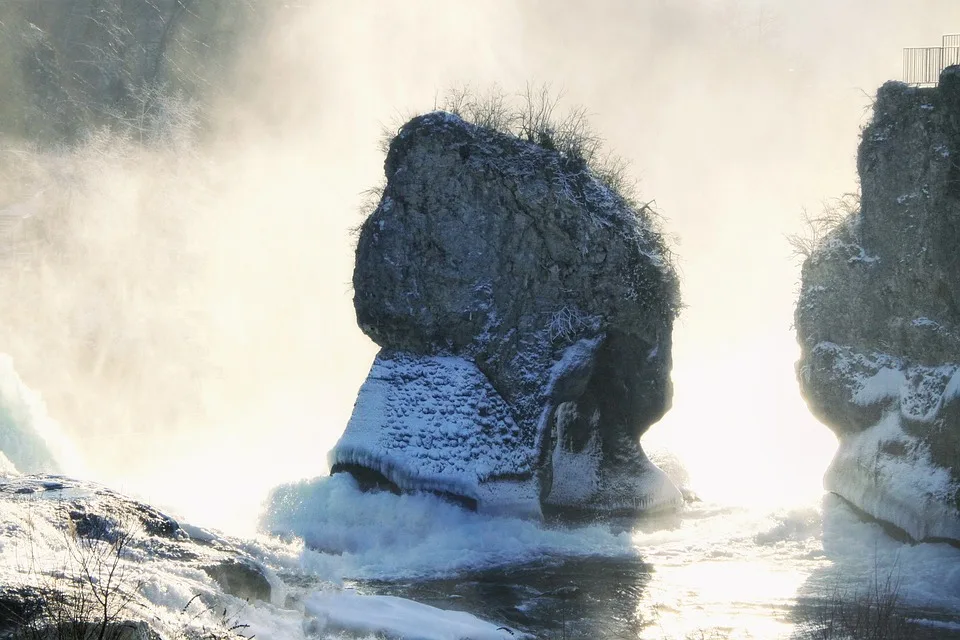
760,555
712,571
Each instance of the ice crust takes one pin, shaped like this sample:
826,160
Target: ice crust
435,423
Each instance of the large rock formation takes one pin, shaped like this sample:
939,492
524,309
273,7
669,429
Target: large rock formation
524,311
878,318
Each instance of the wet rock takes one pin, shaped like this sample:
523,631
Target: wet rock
241,578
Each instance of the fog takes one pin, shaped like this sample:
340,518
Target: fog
197,343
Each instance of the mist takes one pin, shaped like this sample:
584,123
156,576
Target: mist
186,310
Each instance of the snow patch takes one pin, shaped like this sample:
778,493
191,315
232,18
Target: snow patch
937,624
918,391
399,618
883,385
952,390
925,322
576,357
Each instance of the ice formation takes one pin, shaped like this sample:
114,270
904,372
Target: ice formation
25,428
401,618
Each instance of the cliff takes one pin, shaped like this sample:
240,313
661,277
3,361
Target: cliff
878,318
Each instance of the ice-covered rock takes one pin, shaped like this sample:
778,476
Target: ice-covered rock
878,318
525,311
76,552
24,426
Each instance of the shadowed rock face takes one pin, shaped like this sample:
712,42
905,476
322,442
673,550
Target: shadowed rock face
525,313
878,318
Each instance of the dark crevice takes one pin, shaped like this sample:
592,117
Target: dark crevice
367,479
370,480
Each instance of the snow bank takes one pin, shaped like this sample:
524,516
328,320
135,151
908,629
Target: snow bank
883,385
436,424
399,618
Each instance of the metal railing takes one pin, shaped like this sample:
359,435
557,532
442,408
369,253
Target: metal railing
923,65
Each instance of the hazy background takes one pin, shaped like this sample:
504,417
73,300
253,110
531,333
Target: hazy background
201,346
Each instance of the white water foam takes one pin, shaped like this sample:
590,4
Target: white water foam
350,534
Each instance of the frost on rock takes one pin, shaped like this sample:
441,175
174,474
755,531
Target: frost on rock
894,422
498,271
878,319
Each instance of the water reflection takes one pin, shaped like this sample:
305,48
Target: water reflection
590,597
712,572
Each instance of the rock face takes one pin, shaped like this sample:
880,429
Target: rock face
524,312
878,318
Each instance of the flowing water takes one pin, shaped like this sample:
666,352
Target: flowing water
712,571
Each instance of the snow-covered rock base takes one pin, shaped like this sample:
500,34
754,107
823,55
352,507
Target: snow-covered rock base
510,289
893,469
435,423
889,474
878,316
